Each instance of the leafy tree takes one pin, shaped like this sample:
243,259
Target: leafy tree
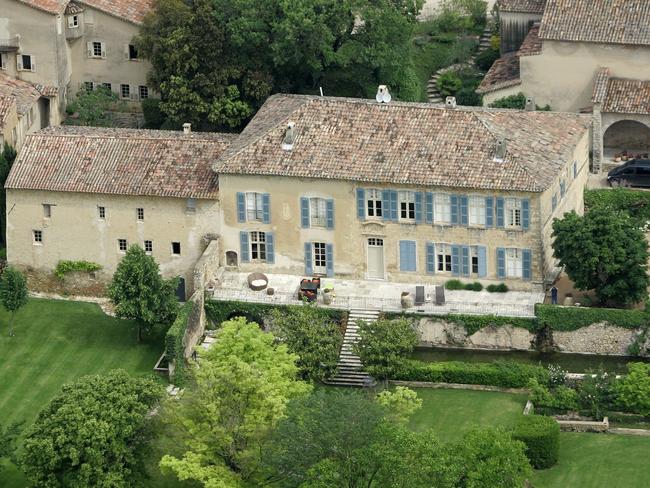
90,107
603,251
13,293
8,437
400,404
313,336
384,344
92,433
7,158
140,293
633,390
243,385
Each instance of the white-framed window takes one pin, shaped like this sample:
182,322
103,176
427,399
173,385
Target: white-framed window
125,91
88,86
107,86
148,247
318,212
513,212
443,257
47,210
474,260
38,237
258,245
139,213
406,205
476,210
374,203
25,62
442,208
319,258
176,248
73,21
514,263
254,210
101,212
144,92
122,245
96,49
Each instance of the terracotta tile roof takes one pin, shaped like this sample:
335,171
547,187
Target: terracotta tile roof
405,143
523,6
47,90
627,97
532,44
131,10
25,93
53,7
602,21
7,105
119,161
73,8
600,86
502,74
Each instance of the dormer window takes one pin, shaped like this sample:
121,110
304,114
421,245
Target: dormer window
73,21
500,153
289,137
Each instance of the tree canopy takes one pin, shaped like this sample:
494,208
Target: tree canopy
605,251
216,61
13,293
92,433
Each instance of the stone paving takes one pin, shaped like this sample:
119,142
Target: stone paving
380,295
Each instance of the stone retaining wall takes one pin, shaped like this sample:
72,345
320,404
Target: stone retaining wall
80,283
600,338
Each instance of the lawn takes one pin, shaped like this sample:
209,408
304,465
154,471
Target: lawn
55,343
451,413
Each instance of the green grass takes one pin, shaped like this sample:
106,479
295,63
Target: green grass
55,343
598,461
451,413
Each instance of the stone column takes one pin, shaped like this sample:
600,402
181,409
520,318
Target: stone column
597,139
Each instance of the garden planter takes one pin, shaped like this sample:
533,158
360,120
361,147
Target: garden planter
407,300
327,297
257,281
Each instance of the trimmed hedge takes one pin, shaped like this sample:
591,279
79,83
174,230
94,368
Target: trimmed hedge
507,374
573,318
542,438
219,311
174,342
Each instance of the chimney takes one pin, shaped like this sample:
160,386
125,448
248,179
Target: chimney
382,94
500,153
450,102
530,104
289,137
187,128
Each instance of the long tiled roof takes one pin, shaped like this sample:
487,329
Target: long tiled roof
119,161
131,10
7,105
50,6
405,143
522,6
601,21
24,93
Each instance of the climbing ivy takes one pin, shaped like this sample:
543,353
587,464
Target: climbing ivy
64,267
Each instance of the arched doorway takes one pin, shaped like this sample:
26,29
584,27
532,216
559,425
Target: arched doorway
627,135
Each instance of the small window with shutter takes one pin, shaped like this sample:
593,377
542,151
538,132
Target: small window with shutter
25,62
73,21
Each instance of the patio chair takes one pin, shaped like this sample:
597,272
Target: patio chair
419,295
440,295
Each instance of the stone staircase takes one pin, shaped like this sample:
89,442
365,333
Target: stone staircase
350,370
433,95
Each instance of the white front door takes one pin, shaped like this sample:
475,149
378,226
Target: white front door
375,258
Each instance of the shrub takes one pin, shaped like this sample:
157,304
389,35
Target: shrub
487,58
449,83
174,348
556,375
468,97
384,344
633,390
517,101
596,393
507,374
154,118
454,285
500,288
573,318
542,438
63,267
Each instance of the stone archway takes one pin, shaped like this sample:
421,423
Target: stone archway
627,135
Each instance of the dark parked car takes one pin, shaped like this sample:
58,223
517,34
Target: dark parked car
635,172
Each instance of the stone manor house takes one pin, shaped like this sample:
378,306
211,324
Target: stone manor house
348,188
589,56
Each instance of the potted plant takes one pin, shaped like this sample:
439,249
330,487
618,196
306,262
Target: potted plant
407,299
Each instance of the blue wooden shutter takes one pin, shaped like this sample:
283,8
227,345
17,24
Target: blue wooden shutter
393,205
455,260
525,213
241,207
270,248
489,211
304,212
407,258
419,217
361,203
454,209
309,270
429,208
431,258
243,247
385,205
501,222
481,252
463,201
329,260
329,206
526,264
465,260
266,208
501,263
